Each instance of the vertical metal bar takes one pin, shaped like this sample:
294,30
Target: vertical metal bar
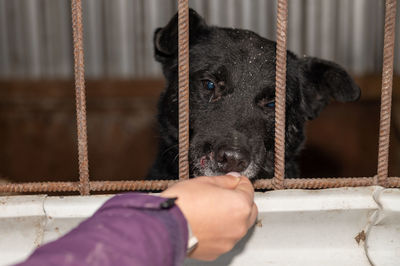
183,42
76,7
386,98
280,95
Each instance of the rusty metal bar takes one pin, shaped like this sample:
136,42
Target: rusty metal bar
280,95
183,42
158,185
76,8
316,183
386,98
39,187
94,186
393,182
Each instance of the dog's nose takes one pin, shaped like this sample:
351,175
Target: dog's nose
232,160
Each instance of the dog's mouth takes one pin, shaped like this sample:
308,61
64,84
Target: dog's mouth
213,156
209,165
204,160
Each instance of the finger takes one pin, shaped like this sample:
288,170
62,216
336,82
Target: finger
225,181
246,188
253,216
234,174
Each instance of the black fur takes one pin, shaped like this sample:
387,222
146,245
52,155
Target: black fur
232,126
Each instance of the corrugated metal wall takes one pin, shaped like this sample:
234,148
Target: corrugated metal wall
35,35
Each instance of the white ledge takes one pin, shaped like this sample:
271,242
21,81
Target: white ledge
346,226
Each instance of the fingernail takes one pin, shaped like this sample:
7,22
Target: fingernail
235,174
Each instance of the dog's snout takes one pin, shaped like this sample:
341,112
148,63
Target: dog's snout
232,160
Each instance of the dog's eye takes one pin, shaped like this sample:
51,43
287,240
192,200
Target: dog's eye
266,104
271,104
209,85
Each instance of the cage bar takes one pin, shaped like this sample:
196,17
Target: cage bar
84,186
158,185
77,27
183,43
386,97
280,95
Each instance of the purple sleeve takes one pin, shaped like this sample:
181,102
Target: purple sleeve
129,229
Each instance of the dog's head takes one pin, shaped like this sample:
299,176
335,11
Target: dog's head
232,97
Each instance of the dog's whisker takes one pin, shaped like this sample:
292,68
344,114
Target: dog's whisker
175,158
168,149
261,167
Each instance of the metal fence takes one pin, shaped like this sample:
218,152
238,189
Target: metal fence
84,186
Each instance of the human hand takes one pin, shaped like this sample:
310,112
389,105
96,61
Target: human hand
219,209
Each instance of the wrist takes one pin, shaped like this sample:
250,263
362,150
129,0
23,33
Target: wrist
192,240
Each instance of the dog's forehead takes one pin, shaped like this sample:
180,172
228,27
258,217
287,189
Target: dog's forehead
240,51
234,45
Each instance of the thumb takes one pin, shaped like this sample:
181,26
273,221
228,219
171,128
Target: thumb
228,181
246,188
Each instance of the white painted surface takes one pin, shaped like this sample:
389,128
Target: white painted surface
384,238
21,226
64,213
295,227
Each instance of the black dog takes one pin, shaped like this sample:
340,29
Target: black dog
232,88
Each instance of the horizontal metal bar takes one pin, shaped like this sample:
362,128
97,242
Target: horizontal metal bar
316,183
94,186
159,185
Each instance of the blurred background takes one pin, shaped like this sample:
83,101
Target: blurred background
37,104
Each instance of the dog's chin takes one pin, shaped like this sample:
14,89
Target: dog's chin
210,170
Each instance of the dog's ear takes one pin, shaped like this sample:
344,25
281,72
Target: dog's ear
166,39
322,80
